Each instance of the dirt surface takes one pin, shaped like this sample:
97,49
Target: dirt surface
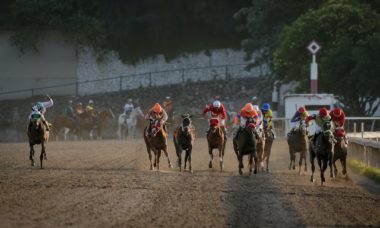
108,184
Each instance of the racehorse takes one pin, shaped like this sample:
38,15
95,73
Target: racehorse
215,140
322,151
94,122
297,141
269,137
156,140
260,145
37,134
340,152
65,123
128,122
246,144
183,138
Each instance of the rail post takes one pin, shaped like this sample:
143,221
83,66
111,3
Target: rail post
150,79
32,92
354,129
183,75
76,88
362,129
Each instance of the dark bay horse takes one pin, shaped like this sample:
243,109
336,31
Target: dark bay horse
246,144
322,151
156,140
269,137
37,134
215,140
340,152
183,138
298,142
62,122
95,121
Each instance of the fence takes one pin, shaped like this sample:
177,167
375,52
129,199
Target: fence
141,80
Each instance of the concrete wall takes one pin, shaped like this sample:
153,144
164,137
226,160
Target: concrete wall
90,69
55,63
365,150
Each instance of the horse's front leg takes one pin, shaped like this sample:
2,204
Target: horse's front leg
312,158
221,159
343,162
330,158
31,154
158,155
179,157
323,167
150,157
292,159
250,163
240,160
211,157
42,154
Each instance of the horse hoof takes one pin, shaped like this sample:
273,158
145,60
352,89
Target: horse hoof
33,164
170,166
294,167
210,165
240,172
255,171
191,171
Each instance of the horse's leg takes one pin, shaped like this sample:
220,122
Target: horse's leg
179,155
221,159
330,157
240,157
42,153
211,157
343,162
31,154
333,162
323,167
158,158
305,158
312,159
167,156
255,159
292,159
190,151
300,162
150,155
250,163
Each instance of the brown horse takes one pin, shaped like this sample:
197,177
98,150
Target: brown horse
260,149
297,141
156,140
340,152
62,122
269,137
215,140
96,121
183,138
37,134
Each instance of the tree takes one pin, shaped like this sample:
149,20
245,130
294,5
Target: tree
349,34
264,20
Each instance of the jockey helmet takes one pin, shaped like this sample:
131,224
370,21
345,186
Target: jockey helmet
337,112
323,112
265,107
157,108
249,108
40,106
216,104
256,108
90,101
301,109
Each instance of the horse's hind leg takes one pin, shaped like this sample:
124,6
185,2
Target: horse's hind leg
188,157
292,159
302,155
221,159
31,154
330,165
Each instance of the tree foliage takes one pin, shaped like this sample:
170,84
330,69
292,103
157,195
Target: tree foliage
264,20
133,28
349,34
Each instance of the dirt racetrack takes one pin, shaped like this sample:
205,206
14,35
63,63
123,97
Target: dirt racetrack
108,184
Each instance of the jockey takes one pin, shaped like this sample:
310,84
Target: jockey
69,110
338,118
128,107
79,108
300,115
156,113
248,111
267,116
217,111
322,117
40,108
90,107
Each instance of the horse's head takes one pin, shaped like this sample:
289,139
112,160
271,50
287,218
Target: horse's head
35,120
327,131
186,123
156,126
214,124
302,128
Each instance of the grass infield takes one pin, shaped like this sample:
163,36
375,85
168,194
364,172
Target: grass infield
361,168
